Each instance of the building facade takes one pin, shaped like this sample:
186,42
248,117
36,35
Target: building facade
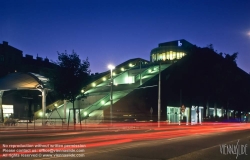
22,103
173,50
195,85
192,88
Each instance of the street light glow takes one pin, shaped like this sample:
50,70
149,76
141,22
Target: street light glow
40,114
85,113
111,67
103,102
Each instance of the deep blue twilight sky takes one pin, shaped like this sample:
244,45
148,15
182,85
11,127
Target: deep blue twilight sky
113,31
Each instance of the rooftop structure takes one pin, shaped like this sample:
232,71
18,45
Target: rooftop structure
173,50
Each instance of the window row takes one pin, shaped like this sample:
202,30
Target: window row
167,56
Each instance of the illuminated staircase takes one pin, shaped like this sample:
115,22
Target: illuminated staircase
126,79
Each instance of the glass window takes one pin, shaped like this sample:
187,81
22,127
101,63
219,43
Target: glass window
153,57
174,55
164,56
171,55
160,56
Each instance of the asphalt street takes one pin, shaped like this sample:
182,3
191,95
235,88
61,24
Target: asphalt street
211,141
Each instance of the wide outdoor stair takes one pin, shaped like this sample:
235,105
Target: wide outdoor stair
98,96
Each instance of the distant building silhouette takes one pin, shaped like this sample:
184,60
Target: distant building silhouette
12,60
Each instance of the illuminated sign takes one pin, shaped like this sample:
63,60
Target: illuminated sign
179,44
7,108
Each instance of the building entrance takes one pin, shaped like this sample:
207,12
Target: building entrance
173,114
196,115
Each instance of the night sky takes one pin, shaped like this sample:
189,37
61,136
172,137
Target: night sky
113,31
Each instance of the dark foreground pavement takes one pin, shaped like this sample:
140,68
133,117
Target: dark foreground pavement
202,147
209,142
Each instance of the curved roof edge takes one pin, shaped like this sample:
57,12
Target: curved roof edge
23,81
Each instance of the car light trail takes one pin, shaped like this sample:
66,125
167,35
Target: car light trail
166,132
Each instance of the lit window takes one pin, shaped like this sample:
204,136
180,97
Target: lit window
174,55
178,55
160,56
153,57
129,80
168,55
164,56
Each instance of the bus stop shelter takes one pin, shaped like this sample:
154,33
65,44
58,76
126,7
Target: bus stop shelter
24,81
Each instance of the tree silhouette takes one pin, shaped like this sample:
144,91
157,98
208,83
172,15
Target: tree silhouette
71,76
231,58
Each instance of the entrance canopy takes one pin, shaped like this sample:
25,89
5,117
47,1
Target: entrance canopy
23,81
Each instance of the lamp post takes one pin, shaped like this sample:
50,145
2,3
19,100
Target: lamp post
111,67
1,108
159,96
140,74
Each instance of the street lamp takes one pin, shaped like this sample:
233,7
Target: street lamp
159,96
111,67
140,73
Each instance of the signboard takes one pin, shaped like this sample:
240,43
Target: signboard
8,109
179,44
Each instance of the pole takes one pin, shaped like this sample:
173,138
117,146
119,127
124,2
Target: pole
111,96
1,107
34,121
74,114
64,110
44,105
159,96
180,109
140,74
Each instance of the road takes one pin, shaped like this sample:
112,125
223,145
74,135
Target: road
207,141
